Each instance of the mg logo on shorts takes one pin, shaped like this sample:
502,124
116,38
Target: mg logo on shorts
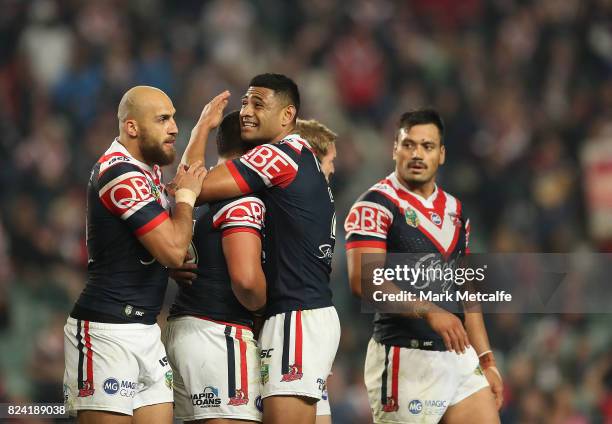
415,406
110,386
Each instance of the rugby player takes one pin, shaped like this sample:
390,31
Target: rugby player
301,332
209,335
411,372
116,366
323,142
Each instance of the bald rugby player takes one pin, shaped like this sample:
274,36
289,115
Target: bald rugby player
116,366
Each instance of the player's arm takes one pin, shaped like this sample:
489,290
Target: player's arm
168,242
446,324
242,252
477,333
353,259
219,183
126,192
210,118
241,222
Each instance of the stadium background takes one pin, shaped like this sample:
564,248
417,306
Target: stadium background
525,89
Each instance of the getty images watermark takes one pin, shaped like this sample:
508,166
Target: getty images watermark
423,273
496,283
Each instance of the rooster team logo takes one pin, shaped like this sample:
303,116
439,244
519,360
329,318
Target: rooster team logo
86,389
239,399
391,405
295,373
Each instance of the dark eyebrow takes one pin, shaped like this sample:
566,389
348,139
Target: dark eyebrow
254,97
409,140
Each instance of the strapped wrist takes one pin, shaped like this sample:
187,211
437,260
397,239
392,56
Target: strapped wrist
185,195
486,359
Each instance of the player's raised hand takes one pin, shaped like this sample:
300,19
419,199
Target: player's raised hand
212,114
450,328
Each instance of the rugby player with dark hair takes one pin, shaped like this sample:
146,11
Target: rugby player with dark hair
209,335
300,335
425,365
116,367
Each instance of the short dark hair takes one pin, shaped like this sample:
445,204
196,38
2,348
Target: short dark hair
280,84
420,117
228,139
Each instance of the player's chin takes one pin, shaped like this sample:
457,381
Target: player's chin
251,135
167,157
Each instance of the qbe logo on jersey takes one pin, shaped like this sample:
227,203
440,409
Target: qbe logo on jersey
127,193
368,219
272,164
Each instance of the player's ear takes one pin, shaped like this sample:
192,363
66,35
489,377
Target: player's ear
442,154
289,114
130,126
394,150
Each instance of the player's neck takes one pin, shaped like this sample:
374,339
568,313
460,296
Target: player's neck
289,130
424,190
131,145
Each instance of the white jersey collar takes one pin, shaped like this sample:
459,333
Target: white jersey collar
427,202
116,146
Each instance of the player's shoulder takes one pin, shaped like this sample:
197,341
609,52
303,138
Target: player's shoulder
452,204
383,193
241,201
115,162
248,208
295,143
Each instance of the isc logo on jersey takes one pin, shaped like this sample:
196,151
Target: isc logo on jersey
368,218
270,163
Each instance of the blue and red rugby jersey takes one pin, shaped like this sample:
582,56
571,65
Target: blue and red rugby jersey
210,295
300,222
125,200
389,216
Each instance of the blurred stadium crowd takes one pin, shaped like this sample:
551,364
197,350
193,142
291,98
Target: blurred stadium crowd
525,88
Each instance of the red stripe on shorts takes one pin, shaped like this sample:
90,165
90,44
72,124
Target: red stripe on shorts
89,355
244,378
298,340
395,373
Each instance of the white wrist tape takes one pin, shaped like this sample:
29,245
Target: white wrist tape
186,196
484,353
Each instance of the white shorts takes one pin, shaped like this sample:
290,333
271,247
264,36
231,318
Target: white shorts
417,386
114,367
216,369
297,352
323,407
